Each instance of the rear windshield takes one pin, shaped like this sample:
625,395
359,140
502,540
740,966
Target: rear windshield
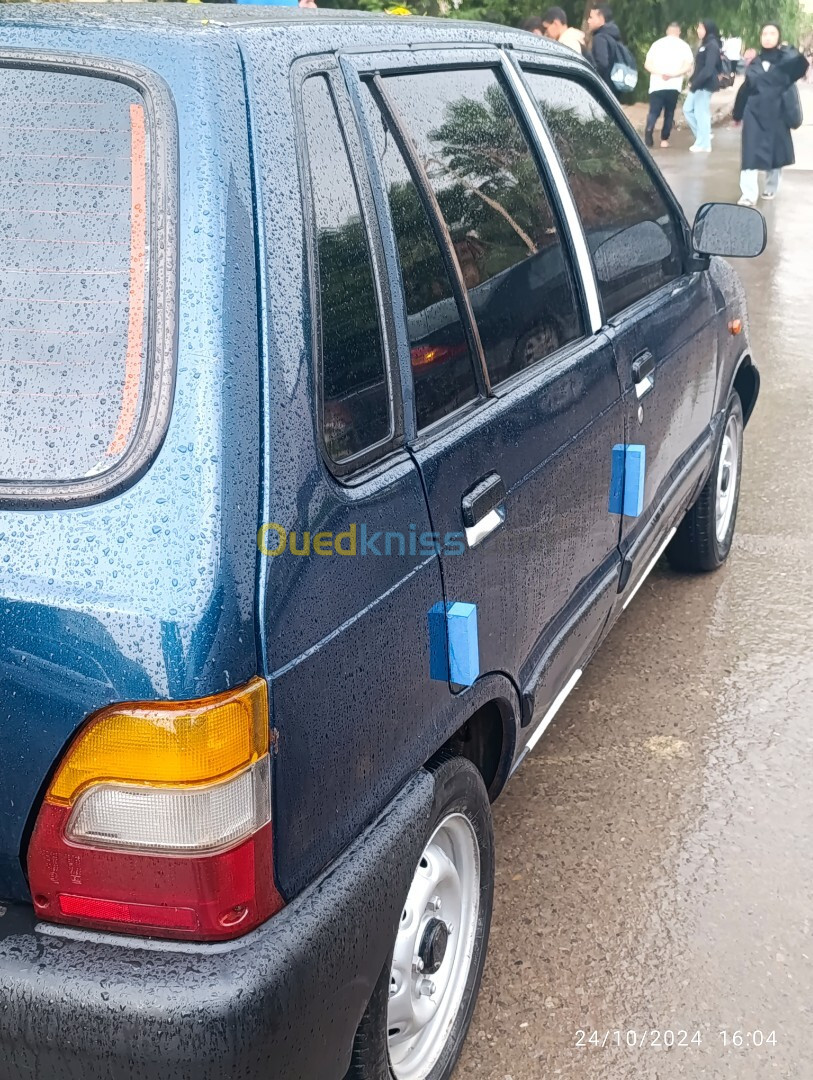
74,273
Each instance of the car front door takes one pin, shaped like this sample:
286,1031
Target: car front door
659,315
516,399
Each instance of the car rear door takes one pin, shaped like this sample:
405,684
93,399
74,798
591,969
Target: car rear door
346,585
516,403
658,313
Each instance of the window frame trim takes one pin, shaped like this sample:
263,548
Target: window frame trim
442,235
326,67
360,65
582,262
526,62
162,289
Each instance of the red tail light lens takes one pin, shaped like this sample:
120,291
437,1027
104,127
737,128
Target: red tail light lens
158,821
113,911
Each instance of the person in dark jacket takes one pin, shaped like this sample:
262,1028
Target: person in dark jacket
765,103
605,35
703,83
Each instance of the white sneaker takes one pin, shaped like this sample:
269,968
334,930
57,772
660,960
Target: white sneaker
699,149
742,201
768,194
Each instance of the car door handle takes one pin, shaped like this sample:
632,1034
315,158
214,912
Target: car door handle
643,373
483,508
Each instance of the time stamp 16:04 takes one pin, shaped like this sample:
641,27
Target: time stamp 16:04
669,1038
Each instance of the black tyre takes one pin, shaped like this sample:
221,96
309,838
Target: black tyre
421,1008
703,539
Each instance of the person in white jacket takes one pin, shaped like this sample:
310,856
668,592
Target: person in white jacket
668,62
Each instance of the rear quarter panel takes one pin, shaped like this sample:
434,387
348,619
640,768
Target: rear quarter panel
149,594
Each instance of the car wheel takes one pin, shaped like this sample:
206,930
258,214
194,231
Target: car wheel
703,539
421,1008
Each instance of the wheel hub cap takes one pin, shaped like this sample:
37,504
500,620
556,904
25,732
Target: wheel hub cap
727,478
434,948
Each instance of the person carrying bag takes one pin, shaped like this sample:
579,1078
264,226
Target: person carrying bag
768,107
609,55
703,83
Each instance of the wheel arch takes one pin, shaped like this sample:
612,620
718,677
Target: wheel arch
488,735
746,382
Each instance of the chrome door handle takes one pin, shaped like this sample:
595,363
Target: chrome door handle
483,508
643,373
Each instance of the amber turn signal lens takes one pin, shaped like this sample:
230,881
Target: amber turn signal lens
735,327
170,742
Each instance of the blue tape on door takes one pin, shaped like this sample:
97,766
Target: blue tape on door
634,471
627,479
454,646
617,480
438,643
464,646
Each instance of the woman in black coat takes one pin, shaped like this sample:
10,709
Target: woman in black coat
765,105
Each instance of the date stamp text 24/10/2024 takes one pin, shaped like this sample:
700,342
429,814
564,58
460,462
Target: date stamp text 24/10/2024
669,1038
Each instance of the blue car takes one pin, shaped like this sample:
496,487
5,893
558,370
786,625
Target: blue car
356,371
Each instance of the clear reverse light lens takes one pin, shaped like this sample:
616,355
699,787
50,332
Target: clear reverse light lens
174,820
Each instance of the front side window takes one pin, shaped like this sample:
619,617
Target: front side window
355,392
442,371
504,232
630,230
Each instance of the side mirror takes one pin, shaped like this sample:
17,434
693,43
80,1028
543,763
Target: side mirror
724,229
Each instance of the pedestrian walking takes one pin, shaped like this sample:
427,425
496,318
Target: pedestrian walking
768,107
703,83
555,23
668,62
608,52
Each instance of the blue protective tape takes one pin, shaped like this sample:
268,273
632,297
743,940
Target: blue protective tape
617,480
634,471
454,645
438,649
464,645
627,479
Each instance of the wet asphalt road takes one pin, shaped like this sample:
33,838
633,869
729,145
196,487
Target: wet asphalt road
655,853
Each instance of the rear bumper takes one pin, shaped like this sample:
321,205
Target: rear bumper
283,1002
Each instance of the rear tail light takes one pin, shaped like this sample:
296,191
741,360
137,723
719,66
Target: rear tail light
190,820
158,821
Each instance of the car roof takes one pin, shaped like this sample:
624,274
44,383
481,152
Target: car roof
212,18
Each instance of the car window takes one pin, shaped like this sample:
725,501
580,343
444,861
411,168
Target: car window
355,393
442,371
505,234
75,357
630,230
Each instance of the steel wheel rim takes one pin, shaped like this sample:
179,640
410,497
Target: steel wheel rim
727,474
420,1020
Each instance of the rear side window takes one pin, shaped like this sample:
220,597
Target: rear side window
630,230
442,372
505,235
74,275
354,388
